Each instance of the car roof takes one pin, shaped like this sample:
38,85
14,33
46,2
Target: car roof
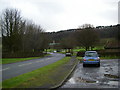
90,51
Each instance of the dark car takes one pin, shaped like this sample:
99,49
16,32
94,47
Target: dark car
68,54
91,57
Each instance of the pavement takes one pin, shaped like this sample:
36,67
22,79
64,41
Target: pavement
105,76
15,69
67,70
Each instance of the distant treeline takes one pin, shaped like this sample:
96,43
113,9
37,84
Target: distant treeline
112,31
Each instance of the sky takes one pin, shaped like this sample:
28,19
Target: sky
56,15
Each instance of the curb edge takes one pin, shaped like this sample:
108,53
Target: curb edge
57,86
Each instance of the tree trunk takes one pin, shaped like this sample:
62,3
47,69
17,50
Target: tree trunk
46,50
91,48
86,48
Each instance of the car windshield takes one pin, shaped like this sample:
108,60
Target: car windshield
91,54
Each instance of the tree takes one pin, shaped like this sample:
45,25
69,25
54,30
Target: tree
87,38
31,37
11,22
21,36
35,39
68,42
86,26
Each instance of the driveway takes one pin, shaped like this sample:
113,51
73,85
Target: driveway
105,76
15,69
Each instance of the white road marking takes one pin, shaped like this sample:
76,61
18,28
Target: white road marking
43,60
28,63
38,61
4,69
48,58
24,64
21,65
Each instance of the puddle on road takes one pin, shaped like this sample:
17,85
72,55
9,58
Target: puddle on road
90,81
72,81
97,81
80,79
113,83
111,76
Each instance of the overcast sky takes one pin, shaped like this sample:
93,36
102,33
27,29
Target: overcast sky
55,15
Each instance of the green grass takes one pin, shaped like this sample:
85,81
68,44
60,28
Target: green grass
77,50
79,57
110,57
13,60
35,78
95,48
98,48
50,50
61,52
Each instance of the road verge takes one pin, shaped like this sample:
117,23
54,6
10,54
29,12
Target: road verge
45,77
67,76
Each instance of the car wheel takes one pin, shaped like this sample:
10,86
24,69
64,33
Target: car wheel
84,65
98,65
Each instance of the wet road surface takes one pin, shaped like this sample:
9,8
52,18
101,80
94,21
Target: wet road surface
105,76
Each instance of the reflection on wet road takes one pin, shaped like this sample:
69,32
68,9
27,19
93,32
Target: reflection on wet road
105,76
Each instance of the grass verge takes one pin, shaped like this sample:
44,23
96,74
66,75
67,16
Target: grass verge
41,77
110,57
80,59
13,60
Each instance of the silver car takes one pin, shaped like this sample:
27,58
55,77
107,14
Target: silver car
91,57
68,54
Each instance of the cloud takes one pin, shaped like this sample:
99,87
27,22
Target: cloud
55,15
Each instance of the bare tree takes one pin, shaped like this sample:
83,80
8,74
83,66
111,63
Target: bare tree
87,37
35,39
21,36
11,28
86,26
68,43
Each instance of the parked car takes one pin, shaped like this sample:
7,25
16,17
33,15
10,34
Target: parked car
68,54
91,57
54,51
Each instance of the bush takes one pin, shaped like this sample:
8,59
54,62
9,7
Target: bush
101,53
81,54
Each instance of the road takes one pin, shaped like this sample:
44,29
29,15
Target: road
105,76
15,69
